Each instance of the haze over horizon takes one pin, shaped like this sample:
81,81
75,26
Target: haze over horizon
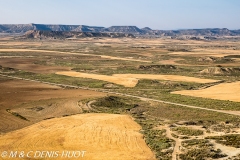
162,15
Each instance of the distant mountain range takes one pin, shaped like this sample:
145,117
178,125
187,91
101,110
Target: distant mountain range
35,34
22,28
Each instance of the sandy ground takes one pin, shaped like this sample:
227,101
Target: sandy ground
127,82
166,77
224,91
20,96
102,136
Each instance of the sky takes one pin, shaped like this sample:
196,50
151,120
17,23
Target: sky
156,14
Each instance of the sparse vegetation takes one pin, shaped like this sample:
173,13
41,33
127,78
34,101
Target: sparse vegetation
229,140
102,56
158,142
187,131
199,154
115,104
198,143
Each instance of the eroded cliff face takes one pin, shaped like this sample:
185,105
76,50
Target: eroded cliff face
72,34
22,28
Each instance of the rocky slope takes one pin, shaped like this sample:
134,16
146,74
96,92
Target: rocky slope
221,71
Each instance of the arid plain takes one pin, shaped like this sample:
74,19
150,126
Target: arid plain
121,98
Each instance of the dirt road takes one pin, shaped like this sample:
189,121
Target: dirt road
237,113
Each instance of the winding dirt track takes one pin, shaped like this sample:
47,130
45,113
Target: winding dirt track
20,96
237,113
179,149
176,148
102,136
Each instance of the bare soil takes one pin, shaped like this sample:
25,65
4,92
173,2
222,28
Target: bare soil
20,96
27,64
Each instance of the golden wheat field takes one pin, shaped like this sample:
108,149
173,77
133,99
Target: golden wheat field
131,80
224,91
127,82
102,136
166,77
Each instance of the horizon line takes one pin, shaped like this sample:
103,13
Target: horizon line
120,26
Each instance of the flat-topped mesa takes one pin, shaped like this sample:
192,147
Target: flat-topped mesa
35,34
22,28
124,29
195,34
16,28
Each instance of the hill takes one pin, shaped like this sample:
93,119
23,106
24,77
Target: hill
220,71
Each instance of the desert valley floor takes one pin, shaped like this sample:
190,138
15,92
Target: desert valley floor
121,98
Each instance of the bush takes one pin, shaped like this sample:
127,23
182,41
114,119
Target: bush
188,131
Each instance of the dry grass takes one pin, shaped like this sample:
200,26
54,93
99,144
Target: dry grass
130,80
127,82
105,136
224,91
166,77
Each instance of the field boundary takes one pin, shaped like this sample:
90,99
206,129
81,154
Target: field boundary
237,113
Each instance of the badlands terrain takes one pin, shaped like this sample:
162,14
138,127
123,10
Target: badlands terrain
126,97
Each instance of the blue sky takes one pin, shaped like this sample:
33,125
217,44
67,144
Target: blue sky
156,14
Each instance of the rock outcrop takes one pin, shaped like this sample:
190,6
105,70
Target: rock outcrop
220,71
